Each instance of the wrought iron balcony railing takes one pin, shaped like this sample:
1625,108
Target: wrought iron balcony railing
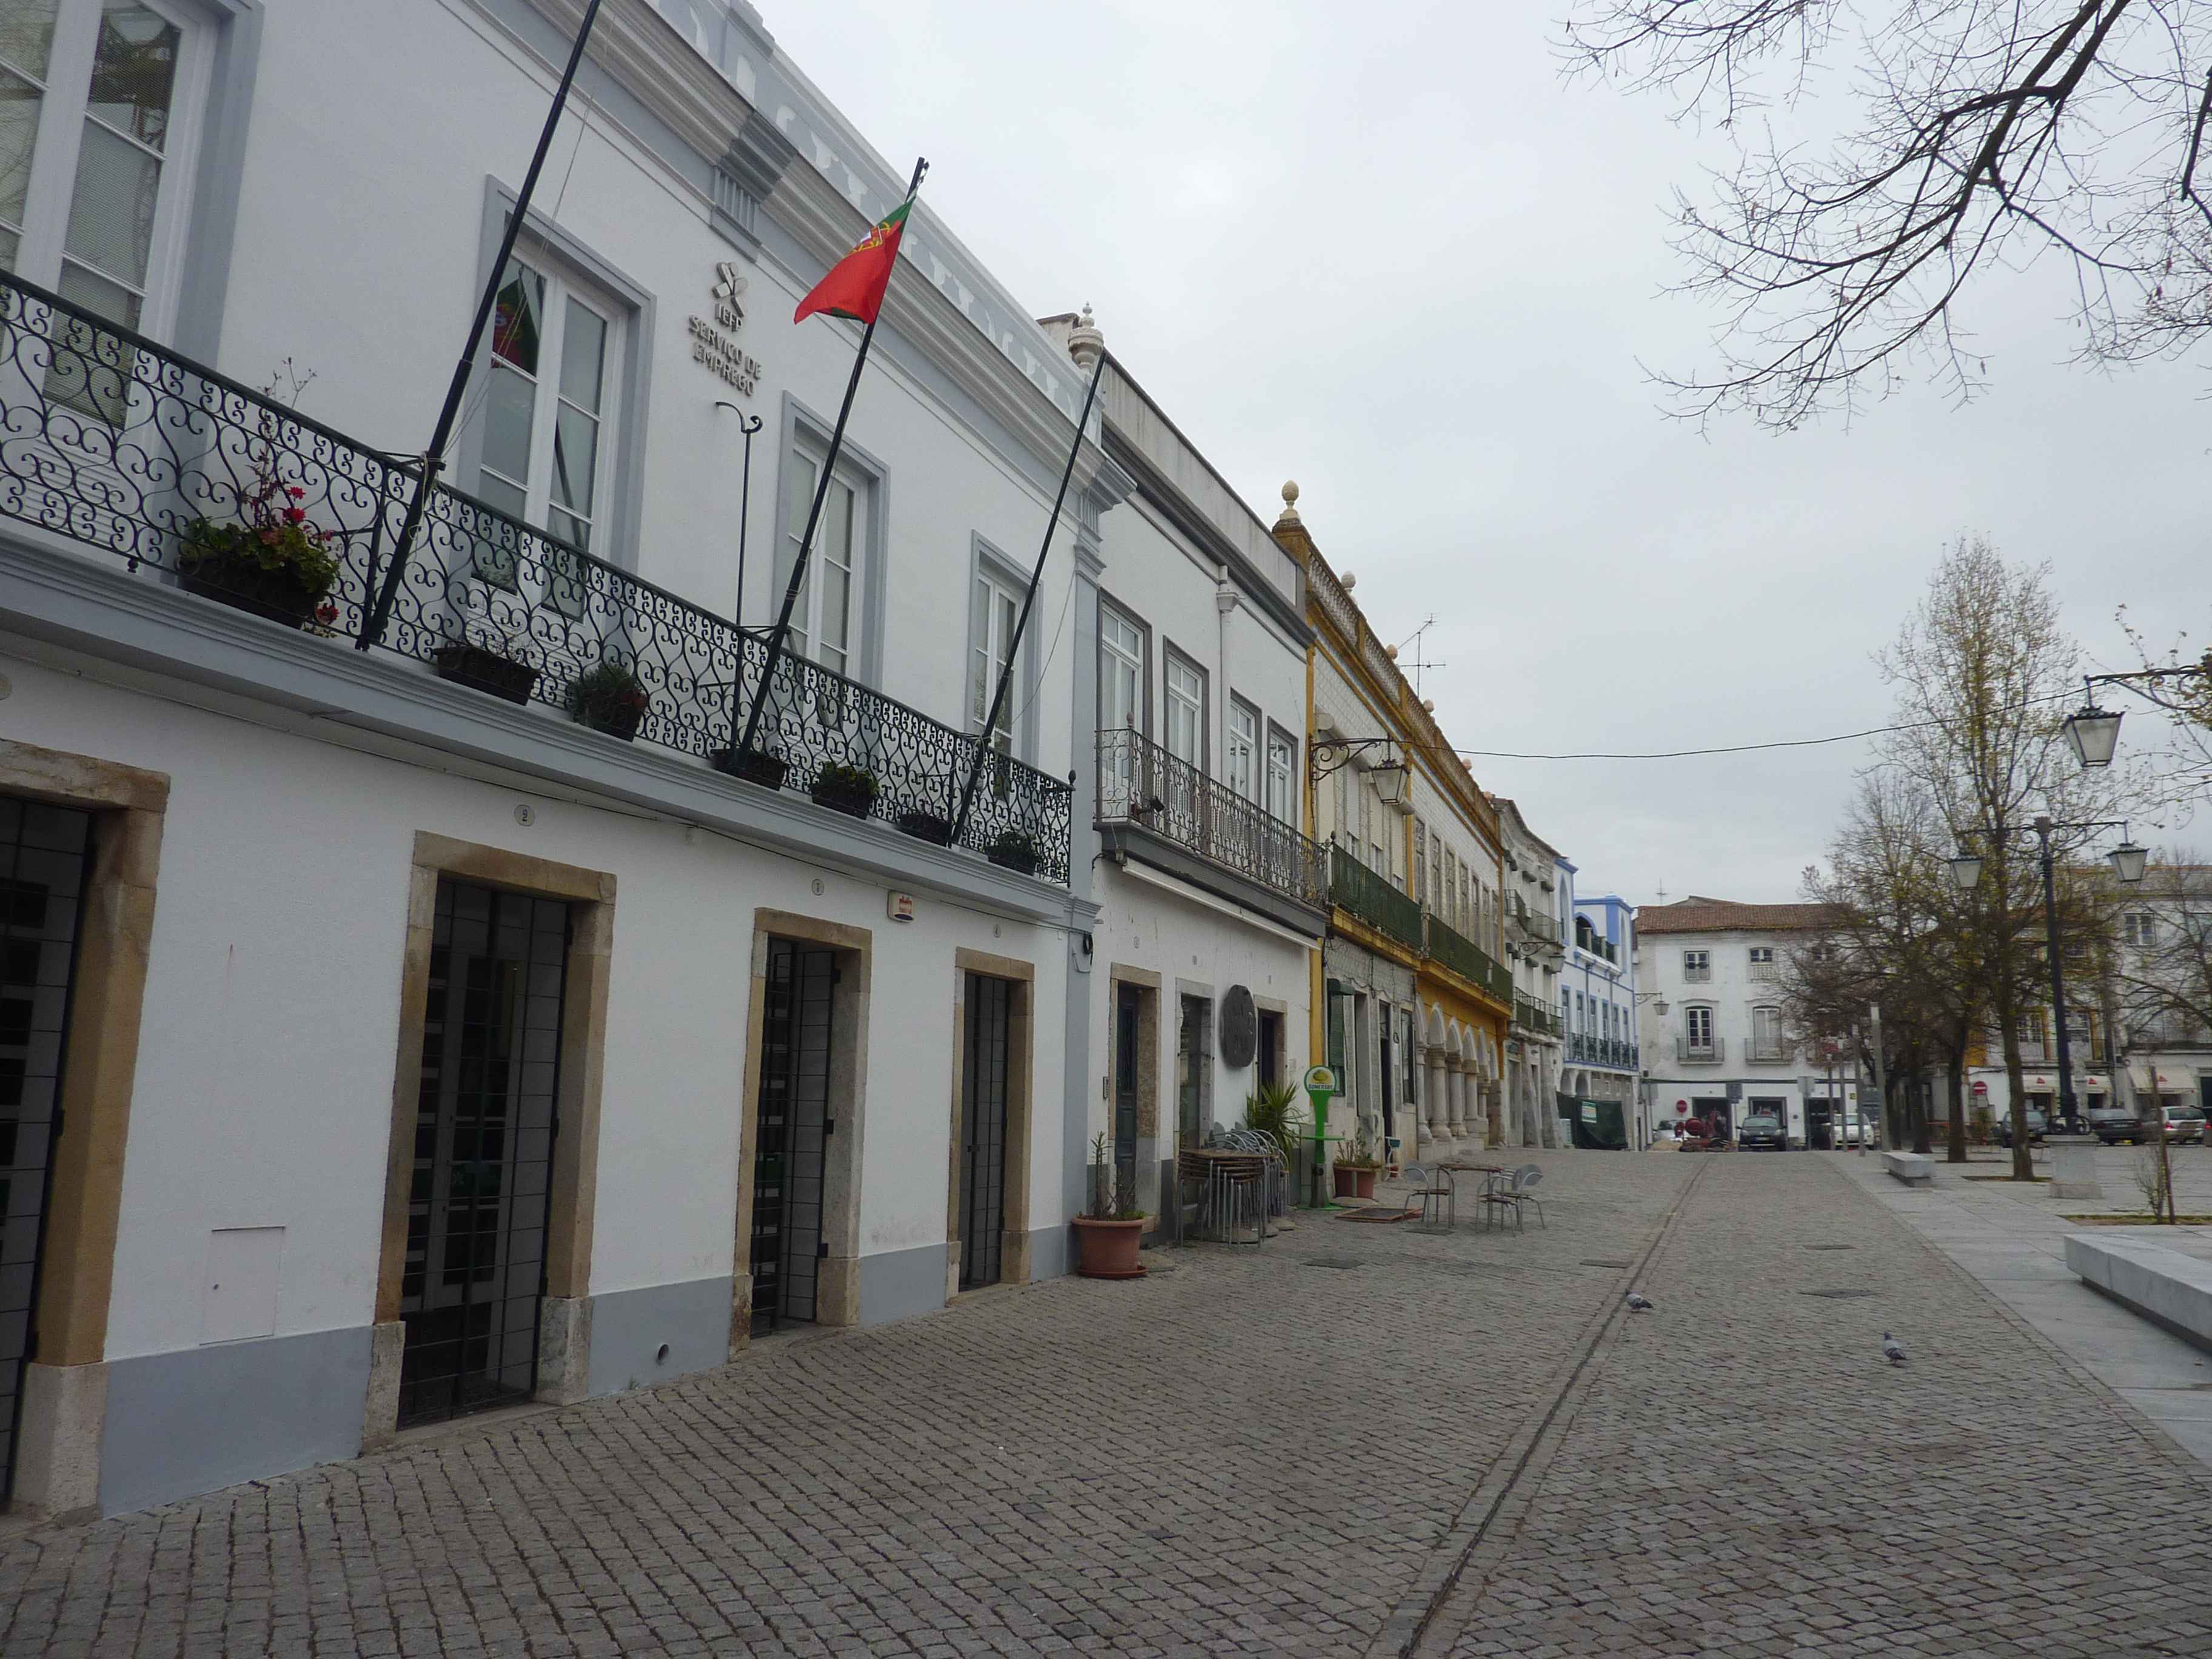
1469,960
112,441
1372,898
1701,1052
1535,1017
1140,782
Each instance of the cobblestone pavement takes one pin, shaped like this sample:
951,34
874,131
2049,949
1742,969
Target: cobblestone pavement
1740,1473
1247,1454
1257,1453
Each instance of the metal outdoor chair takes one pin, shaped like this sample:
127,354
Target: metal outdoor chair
1514,1192
1433,1184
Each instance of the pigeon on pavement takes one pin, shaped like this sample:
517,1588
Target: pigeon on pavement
1892,1349
1638,1303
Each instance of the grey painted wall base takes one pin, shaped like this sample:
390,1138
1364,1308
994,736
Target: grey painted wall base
58,1442
899,1284
1048,1252
629,1330
196,1418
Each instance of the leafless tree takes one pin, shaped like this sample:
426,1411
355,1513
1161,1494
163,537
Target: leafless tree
2163,967
1982,671
1969,138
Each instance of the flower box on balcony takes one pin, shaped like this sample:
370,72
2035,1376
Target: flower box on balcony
486,671
609,699
753,765
925,826
850,789
1014,850
279,571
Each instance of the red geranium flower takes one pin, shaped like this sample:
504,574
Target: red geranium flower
295,515
295,492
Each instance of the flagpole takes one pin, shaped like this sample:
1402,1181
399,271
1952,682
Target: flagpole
814,518
1014,649
434,458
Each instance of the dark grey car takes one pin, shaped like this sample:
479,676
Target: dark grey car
1762,1131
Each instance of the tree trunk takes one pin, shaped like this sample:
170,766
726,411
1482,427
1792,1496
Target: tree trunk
1957,1085
1920,1114
2023,1164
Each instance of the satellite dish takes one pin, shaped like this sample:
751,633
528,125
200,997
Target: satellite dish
1240,1028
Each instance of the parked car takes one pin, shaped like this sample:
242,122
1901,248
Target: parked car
2037,1127
1762,1130
2114,1124
2185,1126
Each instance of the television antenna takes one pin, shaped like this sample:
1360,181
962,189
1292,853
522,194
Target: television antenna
1418,662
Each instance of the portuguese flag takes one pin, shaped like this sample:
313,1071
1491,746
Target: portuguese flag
855,287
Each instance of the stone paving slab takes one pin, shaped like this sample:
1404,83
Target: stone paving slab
1741,1473
1243,1455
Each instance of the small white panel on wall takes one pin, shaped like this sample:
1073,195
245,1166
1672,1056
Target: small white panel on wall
240,1297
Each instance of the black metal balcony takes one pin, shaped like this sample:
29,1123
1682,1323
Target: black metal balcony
1154,805
113,442
1468,960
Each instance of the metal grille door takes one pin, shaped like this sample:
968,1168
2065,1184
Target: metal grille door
483,1152
1193,1065
43,851
983,1130
1127,1011
793,1132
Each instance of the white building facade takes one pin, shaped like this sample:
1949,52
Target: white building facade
397,1046
1713,1042
1211,898
1535,949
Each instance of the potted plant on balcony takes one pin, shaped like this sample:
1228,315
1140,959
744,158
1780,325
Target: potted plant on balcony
1108,1231
925,825
1014,849
275,564
487,668
1354,1171
762,766
610,699
845,788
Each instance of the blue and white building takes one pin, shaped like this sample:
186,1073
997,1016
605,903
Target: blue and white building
1597,997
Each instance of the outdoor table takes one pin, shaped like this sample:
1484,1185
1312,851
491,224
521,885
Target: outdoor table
1489,1172
1224,1170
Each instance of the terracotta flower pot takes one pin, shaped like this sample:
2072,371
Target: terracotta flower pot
1107,1249
1364,1179
1347,1181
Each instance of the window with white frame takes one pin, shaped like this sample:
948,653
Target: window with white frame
1120,673
1420,862
993,608
1696,966
1282,774
546,413
1698,1027
99,105
1766,1033
826,621
95,93
1186,711
2140,929
1243,756
1762,962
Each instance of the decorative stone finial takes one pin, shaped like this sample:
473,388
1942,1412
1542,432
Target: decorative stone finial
1085,344
1429,705
1289,514
1347,582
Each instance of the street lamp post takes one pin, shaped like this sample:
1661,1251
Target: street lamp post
2094,733
2128,862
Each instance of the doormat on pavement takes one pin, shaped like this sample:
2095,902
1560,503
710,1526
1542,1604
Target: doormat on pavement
1838,1294
1378,1213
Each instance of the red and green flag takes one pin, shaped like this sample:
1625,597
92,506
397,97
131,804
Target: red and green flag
855,287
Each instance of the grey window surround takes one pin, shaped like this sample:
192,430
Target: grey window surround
624,519
1259,745
984,559
798,417
1107,602
211,227
1169,653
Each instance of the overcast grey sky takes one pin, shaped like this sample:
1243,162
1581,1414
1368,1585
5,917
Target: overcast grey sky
1387,251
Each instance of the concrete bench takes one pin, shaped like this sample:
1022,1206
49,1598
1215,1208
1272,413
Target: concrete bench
2074,1172
1913,1169
2165,1287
